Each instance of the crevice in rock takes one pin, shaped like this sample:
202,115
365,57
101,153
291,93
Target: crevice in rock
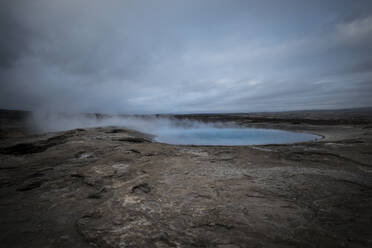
143,187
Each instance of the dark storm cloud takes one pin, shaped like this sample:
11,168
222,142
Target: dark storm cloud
362,67
13,41
184,56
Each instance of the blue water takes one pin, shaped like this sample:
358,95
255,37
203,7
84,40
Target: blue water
230,136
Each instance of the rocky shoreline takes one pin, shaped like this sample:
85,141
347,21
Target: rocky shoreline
114,187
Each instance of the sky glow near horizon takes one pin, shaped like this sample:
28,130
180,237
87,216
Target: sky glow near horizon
185,56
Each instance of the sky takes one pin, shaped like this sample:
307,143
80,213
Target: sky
191,56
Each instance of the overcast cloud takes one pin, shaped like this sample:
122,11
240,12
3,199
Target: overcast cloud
185,56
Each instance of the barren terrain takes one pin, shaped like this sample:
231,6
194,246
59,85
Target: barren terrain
115,187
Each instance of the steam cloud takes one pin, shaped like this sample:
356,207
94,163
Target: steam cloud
41,122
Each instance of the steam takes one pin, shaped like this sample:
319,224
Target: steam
168,129
42,122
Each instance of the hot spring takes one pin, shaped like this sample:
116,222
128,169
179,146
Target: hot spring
172,131
229,136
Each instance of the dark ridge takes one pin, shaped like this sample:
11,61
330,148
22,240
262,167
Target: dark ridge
14,114
117,130
36,147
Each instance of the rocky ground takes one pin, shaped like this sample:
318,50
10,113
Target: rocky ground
114,187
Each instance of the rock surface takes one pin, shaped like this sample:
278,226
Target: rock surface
112,187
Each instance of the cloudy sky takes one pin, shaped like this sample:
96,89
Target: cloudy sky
142,56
